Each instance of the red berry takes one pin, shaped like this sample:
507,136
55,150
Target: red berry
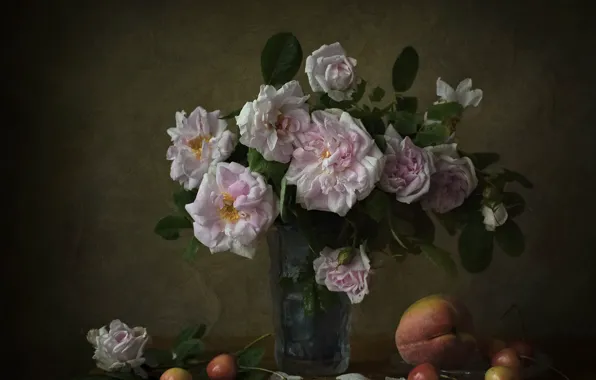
425,371
222,367
507,357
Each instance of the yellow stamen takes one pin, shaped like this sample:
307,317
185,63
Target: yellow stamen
228,211
196,145
326,154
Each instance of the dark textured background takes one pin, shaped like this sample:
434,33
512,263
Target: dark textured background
94,85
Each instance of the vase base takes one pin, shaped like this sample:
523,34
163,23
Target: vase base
312,368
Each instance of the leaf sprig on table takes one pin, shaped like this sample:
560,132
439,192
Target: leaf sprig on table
187,352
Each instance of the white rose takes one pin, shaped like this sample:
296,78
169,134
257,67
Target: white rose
271,123
118,347
495,215
329,70
463,93
198,144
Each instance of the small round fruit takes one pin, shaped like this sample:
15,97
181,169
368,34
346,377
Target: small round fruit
507,357
176,374
425,371
502,373
522,348
222,367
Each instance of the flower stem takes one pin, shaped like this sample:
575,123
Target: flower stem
520,319
549,366
266,370
254,342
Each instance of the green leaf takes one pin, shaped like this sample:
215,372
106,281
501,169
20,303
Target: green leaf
190,253
400,233
231,115
239,155
444,111
377,94
405,123
169,227
281,58
251,357
155,357
482,160
381,142
432,134
377,205
326,298
510,238
330,103
183,197
359,93
191,332
345,256
440,258
272,170
397,252
512,176
405,69
374,125
475,247
514,203
187,349
407,103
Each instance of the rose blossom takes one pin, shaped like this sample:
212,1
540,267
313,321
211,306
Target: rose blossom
329,70
337,164
119,347
199,142
453,181
232,208
270,123
407,168
495,215
463,94
351,278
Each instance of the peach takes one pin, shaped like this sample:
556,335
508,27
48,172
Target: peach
437,329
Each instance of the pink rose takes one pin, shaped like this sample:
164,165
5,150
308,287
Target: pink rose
453,181
336,165
408,168
198,143
351,278
270,123
233,207
330,70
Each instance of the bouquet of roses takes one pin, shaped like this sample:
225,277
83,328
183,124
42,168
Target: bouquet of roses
355,177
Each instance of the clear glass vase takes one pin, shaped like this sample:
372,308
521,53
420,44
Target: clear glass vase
312,334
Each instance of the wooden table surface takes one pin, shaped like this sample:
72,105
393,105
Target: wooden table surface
372,357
